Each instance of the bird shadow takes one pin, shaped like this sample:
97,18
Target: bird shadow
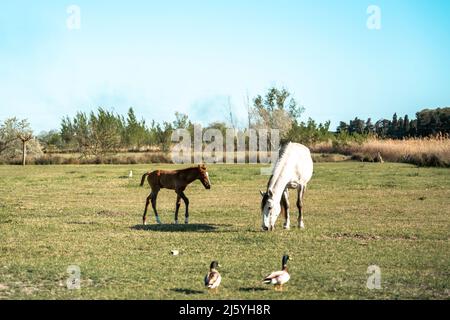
187,291
176,227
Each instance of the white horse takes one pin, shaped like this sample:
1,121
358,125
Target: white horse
293,170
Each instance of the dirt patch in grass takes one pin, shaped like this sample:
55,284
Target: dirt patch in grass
111,213
355,236
29,290
368,237
83,222
3,287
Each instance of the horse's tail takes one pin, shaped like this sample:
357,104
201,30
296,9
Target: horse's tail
143,178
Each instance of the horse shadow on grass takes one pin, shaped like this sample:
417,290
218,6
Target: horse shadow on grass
177,227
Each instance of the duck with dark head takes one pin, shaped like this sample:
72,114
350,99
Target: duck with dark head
279,278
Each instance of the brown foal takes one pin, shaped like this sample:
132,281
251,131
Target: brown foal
176,180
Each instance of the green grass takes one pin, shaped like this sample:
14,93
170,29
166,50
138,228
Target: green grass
395,216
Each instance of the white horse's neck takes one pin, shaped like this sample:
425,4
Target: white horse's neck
280,177
278,185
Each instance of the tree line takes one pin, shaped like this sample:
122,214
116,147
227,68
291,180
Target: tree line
102,131
428,122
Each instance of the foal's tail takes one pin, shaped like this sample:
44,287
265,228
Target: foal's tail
143,178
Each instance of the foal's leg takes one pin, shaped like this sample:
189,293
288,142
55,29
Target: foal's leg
301,192
153,199
177,207
186,202
144,217
285,204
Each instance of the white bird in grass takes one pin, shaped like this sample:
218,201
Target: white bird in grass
278,278
213,278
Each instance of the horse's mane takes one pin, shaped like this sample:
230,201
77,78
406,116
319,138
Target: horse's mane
280,164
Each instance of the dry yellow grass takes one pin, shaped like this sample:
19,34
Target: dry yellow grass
423,151
392,149
433,152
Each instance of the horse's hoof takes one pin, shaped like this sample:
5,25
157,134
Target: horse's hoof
186,221
175,222
301,225
286,227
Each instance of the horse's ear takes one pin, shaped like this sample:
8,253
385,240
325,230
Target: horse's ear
262,193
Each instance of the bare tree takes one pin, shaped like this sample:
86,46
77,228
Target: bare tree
24,134
13,129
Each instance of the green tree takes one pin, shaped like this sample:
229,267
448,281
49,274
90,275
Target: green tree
51,140
163,135
343,127
105,129
80,133
369,127
277,110
406,126
309,133
382,128
181,121
8,133
135,131
393,128
356,126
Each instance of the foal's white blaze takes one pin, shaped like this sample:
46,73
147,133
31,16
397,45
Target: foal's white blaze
207,176
293,170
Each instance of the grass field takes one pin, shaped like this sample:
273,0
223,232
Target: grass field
395,216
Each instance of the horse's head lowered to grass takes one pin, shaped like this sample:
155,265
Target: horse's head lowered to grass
270,210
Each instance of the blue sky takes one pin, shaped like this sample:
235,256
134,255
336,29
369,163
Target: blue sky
194,56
